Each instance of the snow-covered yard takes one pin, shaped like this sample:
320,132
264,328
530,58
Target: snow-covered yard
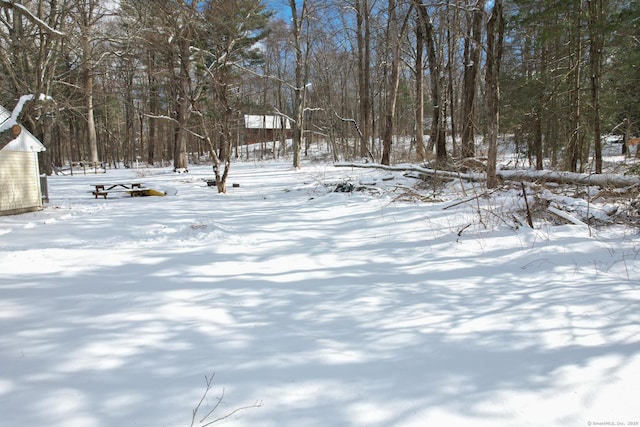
319,308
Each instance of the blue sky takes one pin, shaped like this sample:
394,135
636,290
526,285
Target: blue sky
281,7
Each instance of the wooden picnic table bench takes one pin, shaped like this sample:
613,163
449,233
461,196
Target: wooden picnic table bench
133,188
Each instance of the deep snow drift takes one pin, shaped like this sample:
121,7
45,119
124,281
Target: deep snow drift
322,308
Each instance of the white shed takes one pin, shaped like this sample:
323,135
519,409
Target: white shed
19,171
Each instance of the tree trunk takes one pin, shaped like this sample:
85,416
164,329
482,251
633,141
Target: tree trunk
225,136
471,67
419,108
300,83
392,85
364,75
575,68
537,138
596,42
129,121
153,108
450,84
182,101
495,37
437,135
602,180
92,138
91,123
538,109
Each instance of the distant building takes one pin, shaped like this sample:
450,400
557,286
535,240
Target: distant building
266,128
20,189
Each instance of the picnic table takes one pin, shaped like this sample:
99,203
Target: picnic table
133,188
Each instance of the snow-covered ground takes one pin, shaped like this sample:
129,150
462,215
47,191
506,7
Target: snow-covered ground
318,308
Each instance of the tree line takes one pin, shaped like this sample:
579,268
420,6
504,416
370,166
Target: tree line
170,81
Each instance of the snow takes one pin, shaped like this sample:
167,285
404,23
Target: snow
320,308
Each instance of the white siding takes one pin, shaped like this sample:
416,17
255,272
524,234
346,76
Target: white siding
19,182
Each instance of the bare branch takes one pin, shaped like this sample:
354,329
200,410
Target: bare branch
349,121
214,407
10,4
281,114
209,382
171,119
355,123
270,77
160,117
257,404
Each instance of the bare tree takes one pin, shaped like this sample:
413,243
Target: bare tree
146,91
419,109
31,44
229,33
472,50
596,26
87,16
274,72
495,39
393,41
437,136
22,10
298,19
576,138
395,35
363,32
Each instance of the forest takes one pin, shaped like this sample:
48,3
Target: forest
167,82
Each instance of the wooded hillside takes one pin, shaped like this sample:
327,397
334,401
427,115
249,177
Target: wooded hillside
170,81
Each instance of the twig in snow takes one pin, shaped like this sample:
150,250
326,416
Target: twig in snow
461,231
470,199
526,203
205,418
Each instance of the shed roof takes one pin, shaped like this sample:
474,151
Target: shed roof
265,122
23,142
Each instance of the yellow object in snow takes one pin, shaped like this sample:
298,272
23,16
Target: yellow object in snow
145,192
154,192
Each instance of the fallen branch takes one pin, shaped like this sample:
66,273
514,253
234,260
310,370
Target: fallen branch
602,180
411,168
470,199
410,194
566,216
460,231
